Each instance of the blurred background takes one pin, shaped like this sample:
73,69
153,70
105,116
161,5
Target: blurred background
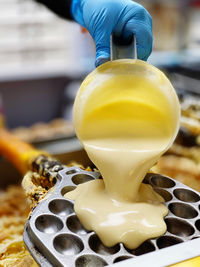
43,60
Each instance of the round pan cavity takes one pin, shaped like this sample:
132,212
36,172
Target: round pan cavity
195,237
167,241
67,189
179,227
183,210
144,248
67,244
90,261
61,207
197,224
161,181
122,258
186,195
165,194
71,171
75,226
48,224
97,246
81,178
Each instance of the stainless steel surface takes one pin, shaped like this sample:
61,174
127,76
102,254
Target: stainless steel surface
59,236
58,146
121,49
37,100
33,99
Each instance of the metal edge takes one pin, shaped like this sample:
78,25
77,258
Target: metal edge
35,253
166,256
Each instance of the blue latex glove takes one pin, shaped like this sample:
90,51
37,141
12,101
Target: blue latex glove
121,17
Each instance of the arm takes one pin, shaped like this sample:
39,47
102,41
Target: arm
60,7
104,17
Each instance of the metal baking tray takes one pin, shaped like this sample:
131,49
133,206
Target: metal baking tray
55,237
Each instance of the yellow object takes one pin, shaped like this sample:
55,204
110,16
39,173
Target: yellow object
126,115
125,93
20,153
2,120
195,262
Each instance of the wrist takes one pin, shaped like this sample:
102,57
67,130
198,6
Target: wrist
77,11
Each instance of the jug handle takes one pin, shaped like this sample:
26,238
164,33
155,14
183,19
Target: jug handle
123,48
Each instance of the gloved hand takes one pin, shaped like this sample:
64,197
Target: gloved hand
121,17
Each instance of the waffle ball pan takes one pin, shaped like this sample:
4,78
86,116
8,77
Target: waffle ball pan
55,237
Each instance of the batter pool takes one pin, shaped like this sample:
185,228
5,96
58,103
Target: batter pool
126,115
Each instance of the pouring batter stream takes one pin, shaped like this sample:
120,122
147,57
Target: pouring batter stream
125,124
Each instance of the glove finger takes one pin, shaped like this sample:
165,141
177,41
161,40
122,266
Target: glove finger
144,39
100,60
100,29
102,42
142,29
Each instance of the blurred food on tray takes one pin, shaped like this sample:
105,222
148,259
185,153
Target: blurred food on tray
57,128
172,32
14,211
182,160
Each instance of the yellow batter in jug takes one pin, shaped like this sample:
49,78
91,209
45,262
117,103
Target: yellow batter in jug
126,115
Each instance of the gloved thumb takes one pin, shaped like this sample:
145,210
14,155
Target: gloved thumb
102,42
